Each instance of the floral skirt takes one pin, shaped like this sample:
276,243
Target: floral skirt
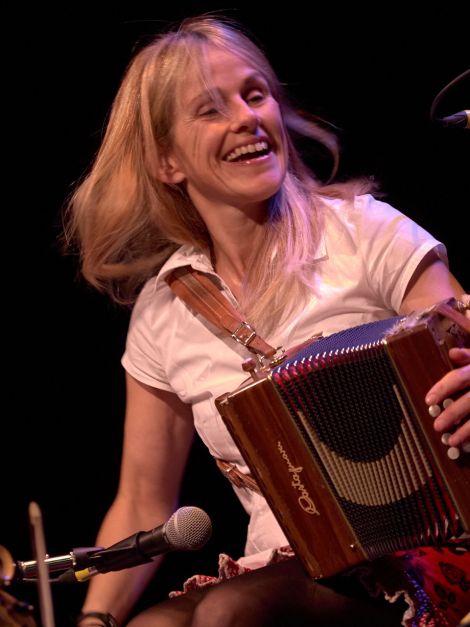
434,581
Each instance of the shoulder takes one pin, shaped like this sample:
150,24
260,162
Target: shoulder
359,208
157,305
366,217
348,221
156,289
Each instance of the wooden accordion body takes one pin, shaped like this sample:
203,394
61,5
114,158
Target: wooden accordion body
341,442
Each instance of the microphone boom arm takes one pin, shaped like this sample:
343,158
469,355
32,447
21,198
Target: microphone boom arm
188,529
77,558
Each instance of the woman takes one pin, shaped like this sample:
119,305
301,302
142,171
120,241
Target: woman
198,167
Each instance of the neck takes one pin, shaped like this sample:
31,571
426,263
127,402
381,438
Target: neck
233,243
234,233
230,260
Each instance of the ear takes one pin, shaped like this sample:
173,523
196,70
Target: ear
169,171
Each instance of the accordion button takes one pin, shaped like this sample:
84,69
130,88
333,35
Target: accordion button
446,402
453,452
434,410
466,447
445,438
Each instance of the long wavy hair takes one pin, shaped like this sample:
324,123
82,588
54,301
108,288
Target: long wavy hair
126,222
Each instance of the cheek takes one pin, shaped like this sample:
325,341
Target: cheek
275,124
193,148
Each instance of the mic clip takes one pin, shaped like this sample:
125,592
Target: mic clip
77,559
124,554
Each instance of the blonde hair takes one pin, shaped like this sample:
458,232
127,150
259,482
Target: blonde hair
126,222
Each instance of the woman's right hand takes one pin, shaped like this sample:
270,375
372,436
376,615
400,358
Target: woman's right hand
455,416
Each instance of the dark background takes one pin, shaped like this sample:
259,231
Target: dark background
374,75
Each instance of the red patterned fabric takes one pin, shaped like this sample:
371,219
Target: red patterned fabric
435,582
229,568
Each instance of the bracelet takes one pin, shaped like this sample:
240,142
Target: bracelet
108,620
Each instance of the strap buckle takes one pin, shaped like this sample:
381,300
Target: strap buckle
278,357
247,334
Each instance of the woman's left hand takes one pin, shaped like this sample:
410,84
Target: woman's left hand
454,417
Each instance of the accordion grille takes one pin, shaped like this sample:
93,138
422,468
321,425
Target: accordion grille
344,396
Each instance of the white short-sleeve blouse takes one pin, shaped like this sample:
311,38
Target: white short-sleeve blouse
367,256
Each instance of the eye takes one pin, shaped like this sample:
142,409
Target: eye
208,110
256,96
212,109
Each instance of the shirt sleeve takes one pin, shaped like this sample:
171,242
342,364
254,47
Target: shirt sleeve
392,246
142,357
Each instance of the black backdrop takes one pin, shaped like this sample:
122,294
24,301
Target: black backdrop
373,75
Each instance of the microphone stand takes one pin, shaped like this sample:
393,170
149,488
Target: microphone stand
457,120
79,558
84,562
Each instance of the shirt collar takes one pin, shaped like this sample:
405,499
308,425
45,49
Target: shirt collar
189,255
186,255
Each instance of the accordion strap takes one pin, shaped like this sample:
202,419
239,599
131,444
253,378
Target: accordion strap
198,290
458,314
238,478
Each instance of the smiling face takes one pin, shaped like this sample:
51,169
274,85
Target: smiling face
228,138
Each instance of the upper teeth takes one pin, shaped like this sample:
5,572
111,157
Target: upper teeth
242,150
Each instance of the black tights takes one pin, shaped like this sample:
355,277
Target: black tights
280,595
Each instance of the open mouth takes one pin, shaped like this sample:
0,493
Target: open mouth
248,152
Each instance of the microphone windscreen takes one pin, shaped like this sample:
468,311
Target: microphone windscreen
188,529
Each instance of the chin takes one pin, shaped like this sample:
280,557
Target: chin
264,190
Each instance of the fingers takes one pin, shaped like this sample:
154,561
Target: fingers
460,356
452,382
452,416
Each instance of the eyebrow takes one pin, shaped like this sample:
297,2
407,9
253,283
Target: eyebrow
206,94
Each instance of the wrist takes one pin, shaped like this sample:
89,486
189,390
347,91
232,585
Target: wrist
96,619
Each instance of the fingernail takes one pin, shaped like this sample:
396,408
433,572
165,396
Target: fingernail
445,438
453,452
434,410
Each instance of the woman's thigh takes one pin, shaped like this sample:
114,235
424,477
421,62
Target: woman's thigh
176,612
279,595
283,595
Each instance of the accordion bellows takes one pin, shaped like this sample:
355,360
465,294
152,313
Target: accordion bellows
341,442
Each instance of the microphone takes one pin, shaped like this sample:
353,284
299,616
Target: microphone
457,120
188,529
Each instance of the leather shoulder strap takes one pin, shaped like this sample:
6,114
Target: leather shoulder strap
196,289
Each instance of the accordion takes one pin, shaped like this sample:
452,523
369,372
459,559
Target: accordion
341,443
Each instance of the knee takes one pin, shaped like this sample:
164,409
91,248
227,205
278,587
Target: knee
170,613
228,607
217,609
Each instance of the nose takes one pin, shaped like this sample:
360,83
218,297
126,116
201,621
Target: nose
243,117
